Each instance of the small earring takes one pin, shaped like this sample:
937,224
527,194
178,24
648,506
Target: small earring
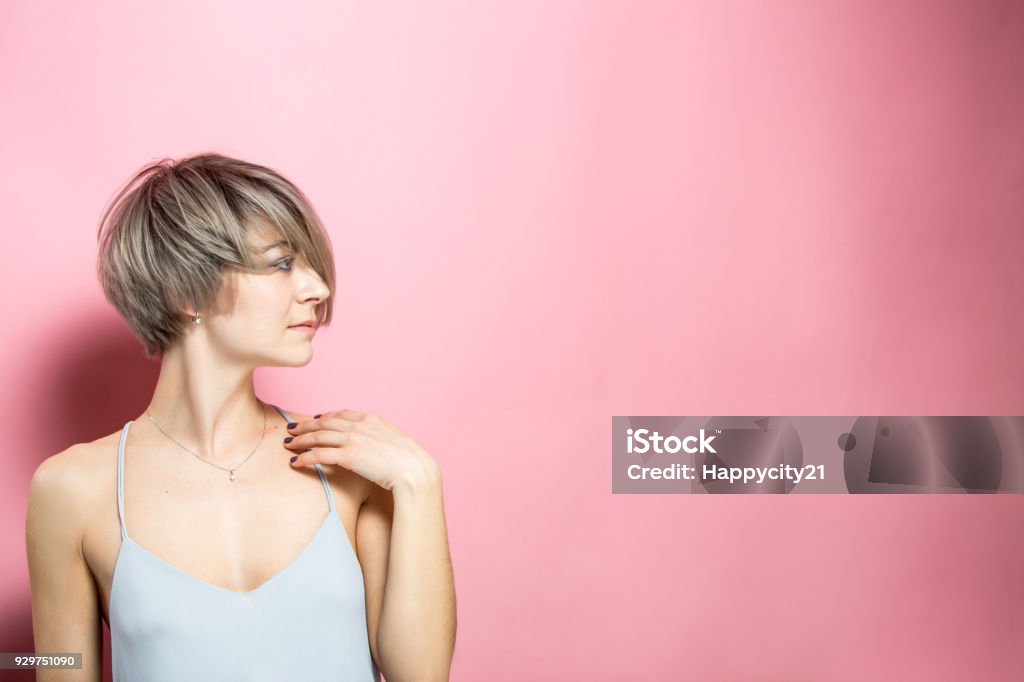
195,319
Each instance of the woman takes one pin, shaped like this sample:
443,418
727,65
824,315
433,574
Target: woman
198,531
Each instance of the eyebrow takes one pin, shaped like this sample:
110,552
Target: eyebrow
268,247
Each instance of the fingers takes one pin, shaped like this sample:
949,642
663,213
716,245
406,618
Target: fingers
304,458
320,438
342,420
323,455
324,431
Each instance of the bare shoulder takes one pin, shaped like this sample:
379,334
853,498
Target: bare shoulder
81,465
64,485
64,599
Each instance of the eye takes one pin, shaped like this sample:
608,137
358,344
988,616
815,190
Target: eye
284,262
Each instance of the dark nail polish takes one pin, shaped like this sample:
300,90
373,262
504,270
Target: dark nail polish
294,457
289,439
292,425
316,416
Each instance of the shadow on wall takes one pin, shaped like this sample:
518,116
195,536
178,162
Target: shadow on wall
96,385
97,380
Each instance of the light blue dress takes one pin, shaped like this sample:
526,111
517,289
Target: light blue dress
306,623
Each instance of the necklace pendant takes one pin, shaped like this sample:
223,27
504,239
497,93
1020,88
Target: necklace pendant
232,474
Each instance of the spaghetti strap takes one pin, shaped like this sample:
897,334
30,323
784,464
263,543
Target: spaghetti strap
323,477
120,479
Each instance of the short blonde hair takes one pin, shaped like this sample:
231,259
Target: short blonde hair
170,234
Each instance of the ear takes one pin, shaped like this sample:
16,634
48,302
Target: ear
186,309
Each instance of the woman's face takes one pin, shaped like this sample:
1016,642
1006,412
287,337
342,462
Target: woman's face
256,331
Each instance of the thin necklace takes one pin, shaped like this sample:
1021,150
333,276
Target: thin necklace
231,469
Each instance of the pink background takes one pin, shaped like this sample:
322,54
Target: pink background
548,213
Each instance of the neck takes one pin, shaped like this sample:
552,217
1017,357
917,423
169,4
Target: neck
207,405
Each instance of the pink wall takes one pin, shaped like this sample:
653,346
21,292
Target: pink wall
545,214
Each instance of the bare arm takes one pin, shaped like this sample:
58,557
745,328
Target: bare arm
65,606
410,588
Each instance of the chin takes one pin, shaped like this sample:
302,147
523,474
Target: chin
293,359
301,360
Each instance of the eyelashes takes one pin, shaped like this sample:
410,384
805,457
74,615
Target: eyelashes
284,262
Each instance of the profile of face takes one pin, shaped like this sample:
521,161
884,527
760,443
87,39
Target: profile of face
256,311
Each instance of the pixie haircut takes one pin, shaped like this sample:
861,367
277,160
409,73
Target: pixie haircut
169,236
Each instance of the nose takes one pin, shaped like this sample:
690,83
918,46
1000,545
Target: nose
312,286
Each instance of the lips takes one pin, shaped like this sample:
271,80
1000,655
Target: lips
307,323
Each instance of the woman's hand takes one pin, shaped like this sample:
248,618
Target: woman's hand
364,443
